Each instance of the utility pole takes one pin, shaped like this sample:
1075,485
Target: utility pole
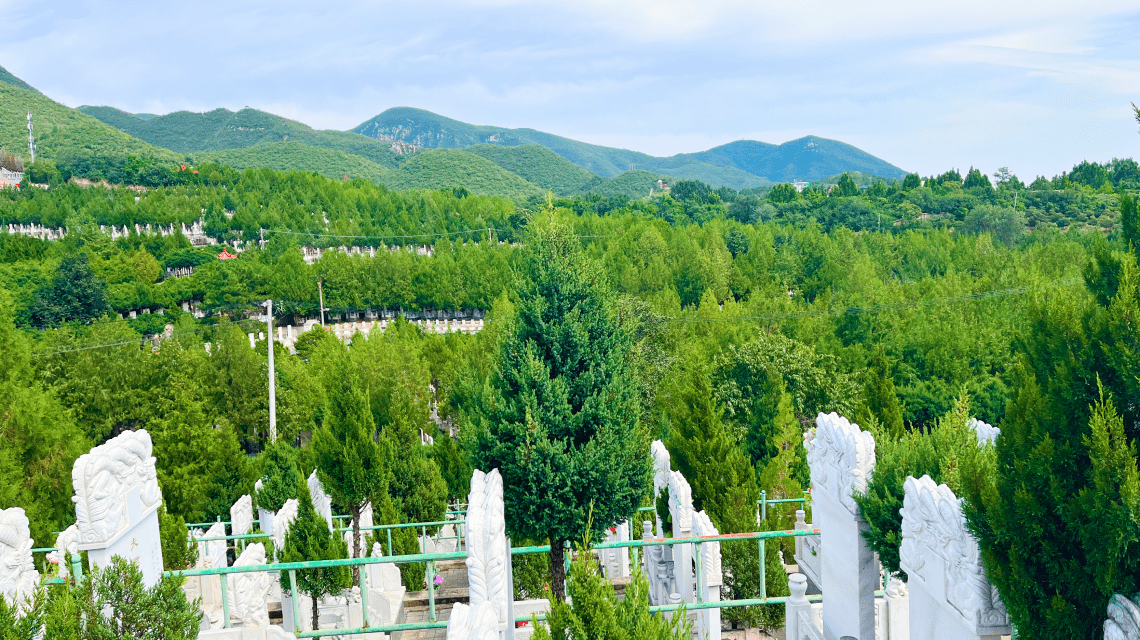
321,291
272,392
31,140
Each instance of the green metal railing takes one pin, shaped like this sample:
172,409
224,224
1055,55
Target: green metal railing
432,558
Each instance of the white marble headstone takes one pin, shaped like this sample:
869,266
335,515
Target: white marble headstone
116,503
487,546
249,591
212,553
321,501
241,516
66,543
281,521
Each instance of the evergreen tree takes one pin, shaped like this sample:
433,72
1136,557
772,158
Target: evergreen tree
1129,223
561,423
351,465
597,612
280,477
75,294
309,539
879,398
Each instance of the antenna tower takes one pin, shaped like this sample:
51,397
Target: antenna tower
31,140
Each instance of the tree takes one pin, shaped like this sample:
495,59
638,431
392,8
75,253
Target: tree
975,179
879,398
310,539
846,187
561,423
783,192
351,465
1004,223
75,295
1130,223
280,477
597,612
114,603
911,181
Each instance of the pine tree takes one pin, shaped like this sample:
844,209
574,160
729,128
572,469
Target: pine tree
1129,223
879,397
280,477
561,422
309,539
351,465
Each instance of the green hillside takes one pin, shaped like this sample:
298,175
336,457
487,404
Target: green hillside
538,165
809,158
7,78
452,168
189,132
740,164
62,131
635,184
298,156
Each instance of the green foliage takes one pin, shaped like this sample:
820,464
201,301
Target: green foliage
450,168
280,477
880,402
540,166
309,538
941,453
1003,223
597,613
531,573
75,295
298,156
1130,222
453,465
178,551
562,421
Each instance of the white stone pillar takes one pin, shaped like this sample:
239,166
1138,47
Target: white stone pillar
116,504
950,596
842,458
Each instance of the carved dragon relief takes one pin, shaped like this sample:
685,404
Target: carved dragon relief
487,540
933,525
18,575
102,479
841,457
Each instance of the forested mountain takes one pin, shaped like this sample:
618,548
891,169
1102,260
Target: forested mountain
740,164
188,132
61,133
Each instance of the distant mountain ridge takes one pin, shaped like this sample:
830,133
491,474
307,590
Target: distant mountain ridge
739,164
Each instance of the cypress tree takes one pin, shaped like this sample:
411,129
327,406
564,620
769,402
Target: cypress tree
308,539
561,420
1129,225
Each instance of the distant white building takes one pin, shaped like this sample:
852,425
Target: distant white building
799,186
9,179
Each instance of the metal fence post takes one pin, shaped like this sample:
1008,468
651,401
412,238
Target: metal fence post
763,569
364,595
225,602
297,626
763,505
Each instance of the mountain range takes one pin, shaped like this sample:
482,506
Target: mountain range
408,148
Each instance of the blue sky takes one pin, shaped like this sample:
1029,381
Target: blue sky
1033,86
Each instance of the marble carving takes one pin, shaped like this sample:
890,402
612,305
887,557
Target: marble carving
249,591
1123,621
66,543
321,501
212,553
103,478
241,516
281,521
841,456
487,545
986,433
939,554
18,575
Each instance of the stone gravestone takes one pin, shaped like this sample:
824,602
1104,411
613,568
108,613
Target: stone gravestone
486,615
950,596
986,433
264,516
321,501
1123,622
18,575
116,504
66,544
249,591
281,521
842,458
241,516
212,553
615,562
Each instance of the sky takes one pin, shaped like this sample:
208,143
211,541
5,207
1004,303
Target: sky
1033,86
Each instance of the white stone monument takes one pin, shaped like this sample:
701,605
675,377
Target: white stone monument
950,596
116,503
712,577
842,458
241,516
1123,621
264,516
66,544
321,501
487,570
18,575
281,521
986,433
213,551
248,592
